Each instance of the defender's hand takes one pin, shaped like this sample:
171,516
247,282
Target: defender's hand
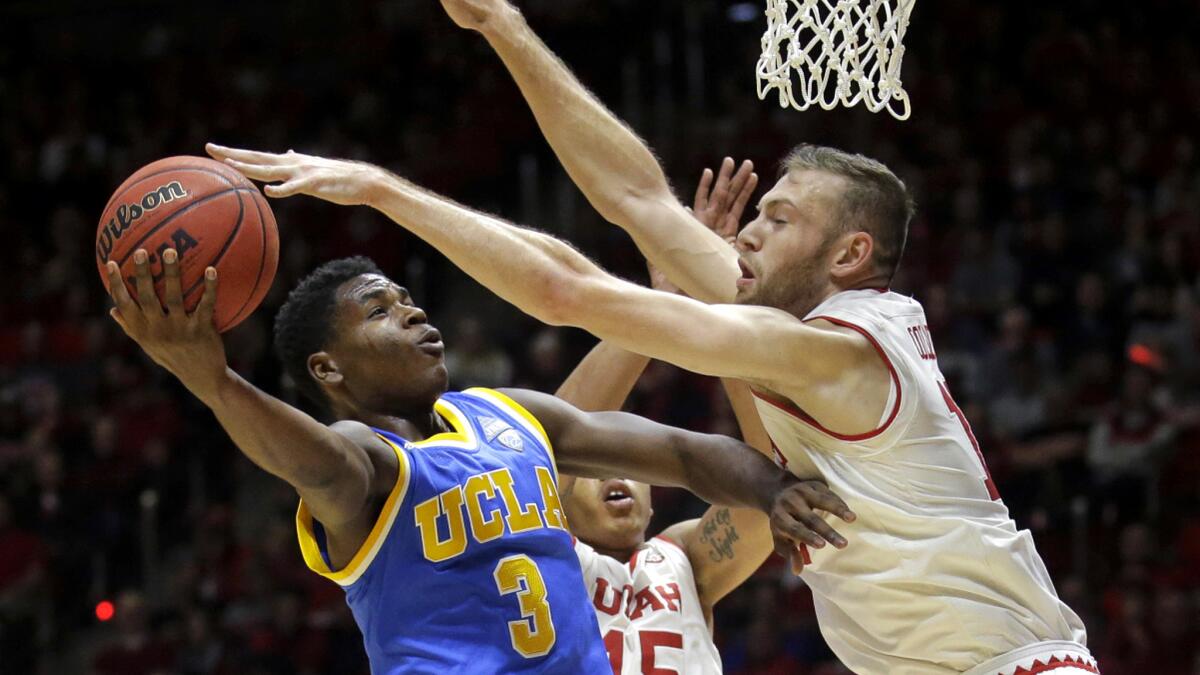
185,344
795,521
720,206
334,180
475,14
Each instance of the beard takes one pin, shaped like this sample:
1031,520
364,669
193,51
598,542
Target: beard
796,289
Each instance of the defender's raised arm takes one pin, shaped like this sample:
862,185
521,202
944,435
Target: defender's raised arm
610,164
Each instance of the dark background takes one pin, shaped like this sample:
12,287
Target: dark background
1052,149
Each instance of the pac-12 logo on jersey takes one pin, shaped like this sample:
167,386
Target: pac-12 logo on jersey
498,430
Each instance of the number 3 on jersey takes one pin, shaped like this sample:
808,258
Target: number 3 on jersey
533,634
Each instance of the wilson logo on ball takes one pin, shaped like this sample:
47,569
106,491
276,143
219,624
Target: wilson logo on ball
127,214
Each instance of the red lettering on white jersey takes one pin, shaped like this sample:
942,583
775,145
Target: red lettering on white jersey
923,341
649,611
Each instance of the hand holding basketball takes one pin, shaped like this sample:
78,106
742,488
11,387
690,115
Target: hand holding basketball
187,345
210,216
334,180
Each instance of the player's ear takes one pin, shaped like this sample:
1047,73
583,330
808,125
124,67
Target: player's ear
322,366
853,255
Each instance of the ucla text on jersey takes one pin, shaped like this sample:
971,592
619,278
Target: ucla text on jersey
469,567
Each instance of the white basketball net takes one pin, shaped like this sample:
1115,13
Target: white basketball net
832,52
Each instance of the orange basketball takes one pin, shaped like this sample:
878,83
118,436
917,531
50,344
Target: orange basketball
211,215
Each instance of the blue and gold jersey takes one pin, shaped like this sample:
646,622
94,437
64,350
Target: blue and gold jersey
469,567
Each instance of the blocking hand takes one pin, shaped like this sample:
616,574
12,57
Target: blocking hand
334,180
720,206
473,14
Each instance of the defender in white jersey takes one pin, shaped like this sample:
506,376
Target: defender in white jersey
935,565
834,222
654,598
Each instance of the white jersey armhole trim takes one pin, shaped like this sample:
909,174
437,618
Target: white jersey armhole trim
891,409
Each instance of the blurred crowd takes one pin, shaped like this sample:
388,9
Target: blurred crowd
1052,150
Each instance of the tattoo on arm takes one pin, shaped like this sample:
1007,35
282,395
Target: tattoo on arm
719,534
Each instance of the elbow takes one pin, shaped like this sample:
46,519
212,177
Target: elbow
628,207
336,466
619,195
562,299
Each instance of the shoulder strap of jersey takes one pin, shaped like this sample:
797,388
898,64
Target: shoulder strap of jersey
671,549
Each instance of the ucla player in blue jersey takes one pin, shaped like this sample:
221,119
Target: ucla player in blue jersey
437,512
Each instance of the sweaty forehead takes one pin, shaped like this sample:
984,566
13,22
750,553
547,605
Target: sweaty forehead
367,286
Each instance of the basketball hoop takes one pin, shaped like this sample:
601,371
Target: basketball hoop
839,52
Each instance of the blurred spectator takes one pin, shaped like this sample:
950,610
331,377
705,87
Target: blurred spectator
201,650
1022,407
765,650
545,366
473,361
134,649
22,591
1125,448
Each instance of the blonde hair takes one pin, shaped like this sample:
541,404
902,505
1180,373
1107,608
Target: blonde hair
876,202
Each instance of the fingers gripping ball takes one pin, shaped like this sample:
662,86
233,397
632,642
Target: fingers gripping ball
211,215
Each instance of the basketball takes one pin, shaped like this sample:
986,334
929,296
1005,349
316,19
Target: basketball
211,215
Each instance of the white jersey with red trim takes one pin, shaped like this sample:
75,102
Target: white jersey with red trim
936,578
649,610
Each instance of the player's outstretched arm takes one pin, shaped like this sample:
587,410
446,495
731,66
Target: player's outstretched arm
335,469
831,373
606,376
726,546
601,381
610,164
718,469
